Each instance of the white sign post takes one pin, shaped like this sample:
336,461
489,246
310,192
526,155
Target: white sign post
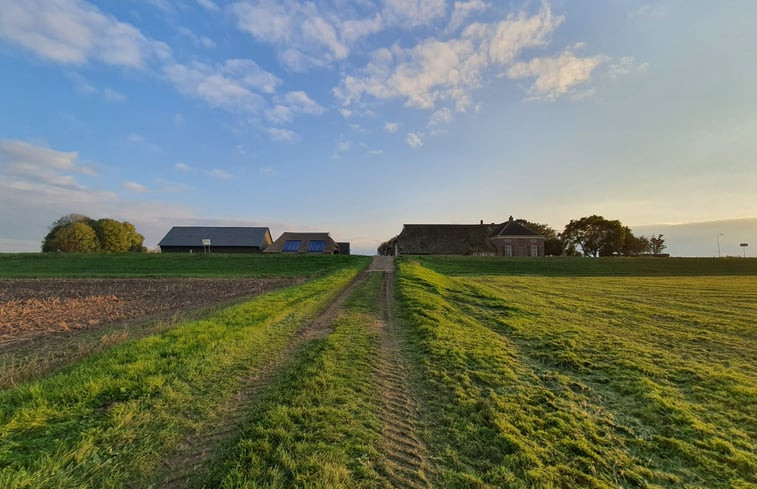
206,245
744,245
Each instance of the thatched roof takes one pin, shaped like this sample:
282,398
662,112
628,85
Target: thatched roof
452,239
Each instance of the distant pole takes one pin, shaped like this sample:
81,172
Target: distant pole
744,245
718,238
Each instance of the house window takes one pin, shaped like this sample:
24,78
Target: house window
316,246
292,246
534,250
508,250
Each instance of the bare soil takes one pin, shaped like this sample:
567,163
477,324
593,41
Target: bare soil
32,308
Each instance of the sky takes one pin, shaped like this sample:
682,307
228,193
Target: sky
357,116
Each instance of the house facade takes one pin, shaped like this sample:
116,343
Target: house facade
215,239
509,238
304,243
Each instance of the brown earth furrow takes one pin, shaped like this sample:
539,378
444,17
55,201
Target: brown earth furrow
189,462
406,465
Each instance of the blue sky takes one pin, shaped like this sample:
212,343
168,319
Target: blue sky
355,117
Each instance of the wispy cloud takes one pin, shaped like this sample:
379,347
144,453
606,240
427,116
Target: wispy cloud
218,173
441,116
76,32
391,127
234,85
435,70
208,5
286,106
555,76
414,140
134,187
648,11
182,167
282,135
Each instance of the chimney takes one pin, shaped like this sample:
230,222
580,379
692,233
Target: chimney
511,218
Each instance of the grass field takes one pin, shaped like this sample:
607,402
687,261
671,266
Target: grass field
592,374
114,416
586,381
569,266
29,265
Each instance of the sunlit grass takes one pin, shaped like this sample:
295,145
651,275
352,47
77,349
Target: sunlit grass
113,417
587,382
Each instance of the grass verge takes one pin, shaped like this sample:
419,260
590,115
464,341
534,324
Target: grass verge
587,382
112,417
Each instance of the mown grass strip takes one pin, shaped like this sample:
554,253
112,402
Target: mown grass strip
112,417
569,266
319,427
533,384
34,265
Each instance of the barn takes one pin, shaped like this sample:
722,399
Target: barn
304,243
509,238
215,239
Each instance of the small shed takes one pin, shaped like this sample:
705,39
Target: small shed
344,248
304,243
215,239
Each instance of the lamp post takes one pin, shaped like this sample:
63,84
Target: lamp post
744,245
718,238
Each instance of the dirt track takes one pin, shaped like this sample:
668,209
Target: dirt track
31,309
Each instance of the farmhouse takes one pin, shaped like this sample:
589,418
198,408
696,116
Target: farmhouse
197,239
307,243
509,238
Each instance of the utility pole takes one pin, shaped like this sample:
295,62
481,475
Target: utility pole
718,238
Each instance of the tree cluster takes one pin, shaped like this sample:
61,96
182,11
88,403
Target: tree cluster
597,236
76,233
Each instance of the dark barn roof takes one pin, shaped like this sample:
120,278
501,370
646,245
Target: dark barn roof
514,228
218,236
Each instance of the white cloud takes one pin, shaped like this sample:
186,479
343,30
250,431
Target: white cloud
134,187
200,40
625,66
181,166
412,13
414,140
441,116
179,119
555,76
113,96
286,106
282,135
218,173
230,85
391,127
75,32
436,71
305,34
463,10
265,170
26,166
648,11
208,5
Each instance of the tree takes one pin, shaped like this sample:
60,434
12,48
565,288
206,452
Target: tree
49,243
595,235
76,237
553,245
73,233
112,235
656,244
634,246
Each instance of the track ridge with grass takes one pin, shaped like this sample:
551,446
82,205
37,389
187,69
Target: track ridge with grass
407,464
188,462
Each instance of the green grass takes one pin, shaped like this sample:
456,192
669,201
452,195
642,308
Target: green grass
586,381
578,266
319,427
32,265
112,417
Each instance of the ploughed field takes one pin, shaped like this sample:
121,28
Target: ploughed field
446,372
30,308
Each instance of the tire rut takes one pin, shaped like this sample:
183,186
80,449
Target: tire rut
407,465
188,462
